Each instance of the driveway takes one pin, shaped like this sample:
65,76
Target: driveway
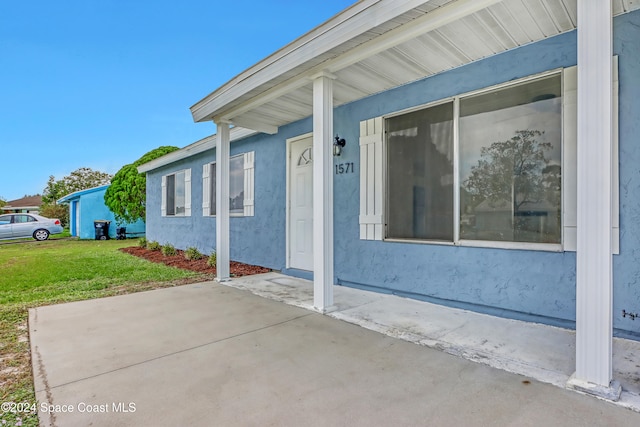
213,355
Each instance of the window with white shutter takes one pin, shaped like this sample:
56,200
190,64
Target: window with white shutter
495,209
249,169
241,186
176,194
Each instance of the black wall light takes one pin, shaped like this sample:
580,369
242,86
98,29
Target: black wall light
338,145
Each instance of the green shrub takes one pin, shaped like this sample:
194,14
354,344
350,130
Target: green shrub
168,250
60,212
142,242
212,259
153,246
192,253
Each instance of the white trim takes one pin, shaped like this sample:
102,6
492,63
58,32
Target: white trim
569,157
525,246
163,204
197,147
543,247
456,169
249,185
372,175
187,192
615,179
206,189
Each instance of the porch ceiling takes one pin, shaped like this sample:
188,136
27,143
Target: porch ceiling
376,45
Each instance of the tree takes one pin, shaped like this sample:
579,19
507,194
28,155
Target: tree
516,176
2,201
79,179
53,191
511,170
127,195
60,212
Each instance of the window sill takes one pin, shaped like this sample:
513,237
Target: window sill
524,246
420,242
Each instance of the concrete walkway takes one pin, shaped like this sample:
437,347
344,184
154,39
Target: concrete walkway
209,354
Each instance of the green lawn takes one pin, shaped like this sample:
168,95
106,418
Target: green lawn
55,271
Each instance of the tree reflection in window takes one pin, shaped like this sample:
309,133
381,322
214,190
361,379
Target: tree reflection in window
513,191
510,157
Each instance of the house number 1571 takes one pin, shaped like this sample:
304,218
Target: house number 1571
344,168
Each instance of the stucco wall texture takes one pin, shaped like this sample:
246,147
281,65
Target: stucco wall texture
529,285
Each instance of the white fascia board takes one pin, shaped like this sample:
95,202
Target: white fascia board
428,22
207,143
352,22
204,144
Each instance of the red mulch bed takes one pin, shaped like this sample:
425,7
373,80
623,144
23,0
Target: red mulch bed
237,269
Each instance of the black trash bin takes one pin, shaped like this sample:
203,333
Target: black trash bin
102,229
121,233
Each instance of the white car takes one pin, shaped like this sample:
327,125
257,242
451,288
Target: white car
15,225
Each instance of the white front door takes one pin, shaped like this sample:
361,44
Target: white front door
301,204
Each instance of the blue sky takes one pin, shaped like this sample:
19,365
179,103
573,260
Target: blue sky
98,83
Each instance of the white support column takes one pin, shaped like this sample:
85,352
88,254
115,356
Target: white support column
594,325
222,202
323,192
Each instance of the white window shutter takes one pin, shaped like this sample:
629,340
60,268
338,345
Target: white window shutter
615,181
569,162
206,191
569,158
163,208
187,192
249,173
371,217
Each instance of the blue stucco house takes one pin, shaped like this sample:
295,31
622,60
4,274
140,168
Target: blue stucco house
490,162
87,206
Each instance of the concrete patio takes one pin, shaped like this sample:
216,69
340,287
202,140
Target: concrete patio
211,354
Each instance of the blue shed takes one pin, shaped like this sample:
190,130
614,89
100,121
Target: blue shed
87,206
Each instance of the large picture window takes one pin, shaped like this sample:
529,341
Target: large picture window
510,163
483,167
493,168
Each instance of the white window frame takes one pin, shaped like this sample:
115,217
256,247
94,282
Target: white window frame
373,167
249,186
187,194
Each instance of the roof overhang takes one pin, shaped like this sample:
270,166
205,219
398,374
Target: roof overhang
12,208
376,45
197,147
